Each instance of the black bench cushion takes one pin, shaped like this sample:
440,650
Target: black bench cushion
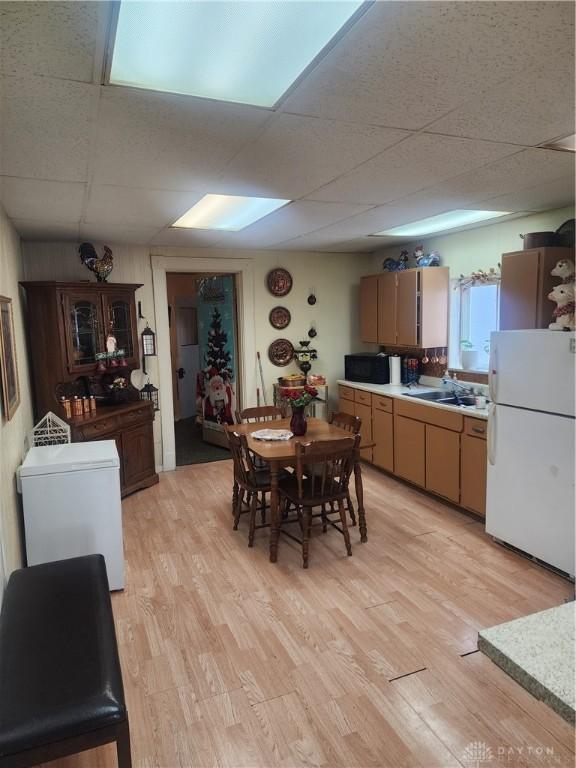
59,668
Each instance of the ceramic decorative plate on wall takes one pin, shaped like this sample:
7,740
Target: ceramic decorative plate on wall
279,282
281,352
280,318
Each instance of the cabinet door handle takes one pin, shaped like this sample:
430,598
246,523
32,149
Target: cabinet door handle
478,430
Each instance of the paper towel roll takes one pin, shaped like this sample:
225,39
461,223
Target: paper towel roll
395,369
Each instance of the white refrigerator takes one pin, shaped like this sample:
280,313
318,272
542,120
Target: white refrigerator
531,431
72,504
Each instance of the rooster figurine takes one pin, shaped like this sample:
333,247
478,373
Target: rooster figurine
100,265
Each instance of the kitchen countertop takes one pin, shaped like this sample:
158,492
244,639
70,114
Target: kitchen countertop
402,392
538,652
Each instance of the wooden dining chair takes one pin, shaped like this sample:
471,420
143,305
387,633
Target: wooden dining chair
259,413
250,482
321,479
351,424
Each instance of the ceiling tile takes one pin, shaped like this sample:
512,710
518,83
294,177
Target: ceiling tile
46,230
103,232
164,141
135,207
313,243
529,109
39,199
197,238
54,39
406,64
418,162
510,174
295,219
541,197
295,155
45,128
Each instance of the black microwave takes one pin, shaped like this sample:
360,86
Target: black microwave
372,368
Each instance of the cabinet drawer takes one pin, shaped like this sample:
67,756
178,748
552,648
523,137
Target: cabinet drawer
346,393
382,403
362,397
133,417
429,415
475,427
97,429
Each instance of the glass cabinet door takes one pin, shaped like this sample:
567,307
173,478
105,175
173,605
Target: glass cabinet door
120,322
82,315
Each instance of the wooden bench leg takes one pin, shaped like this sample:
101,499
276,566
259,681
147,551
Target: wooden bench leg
123,746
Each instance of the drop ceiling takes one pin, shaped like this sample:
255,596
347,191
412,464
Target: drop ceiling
420,108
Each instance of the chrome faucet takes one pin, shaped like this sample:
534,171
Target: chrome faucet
455,383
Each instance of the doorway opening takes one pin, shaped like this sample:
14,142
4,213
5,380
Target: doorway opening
202,319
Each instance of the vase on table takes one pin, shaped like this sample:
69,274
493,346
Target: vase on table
298,424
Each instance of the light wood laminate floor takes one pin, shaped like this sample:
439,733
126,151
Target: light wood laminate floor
367,660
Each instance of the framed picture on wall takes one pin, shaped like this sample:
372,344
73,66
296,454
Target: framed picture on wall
8,363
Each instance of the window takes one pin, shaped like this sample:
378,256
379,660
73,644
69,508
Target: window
473,316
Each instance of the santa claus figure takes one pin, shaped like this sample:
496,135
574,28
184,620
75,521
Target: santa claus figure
218,401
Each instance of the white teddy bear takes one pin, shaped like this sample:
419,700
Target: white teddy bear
564,269
563,295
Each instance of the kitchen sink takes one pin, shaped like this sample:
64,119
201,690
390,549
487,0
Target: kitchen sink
438,395
445,398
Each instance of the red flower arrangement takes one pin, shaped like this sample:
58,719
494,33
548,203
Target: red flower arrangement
299,398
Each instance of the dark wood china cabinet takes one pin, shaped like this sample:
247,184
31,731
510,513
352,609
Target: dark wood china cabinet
68,324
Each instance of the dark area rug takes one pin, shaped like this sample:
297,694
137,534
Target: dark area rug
191,449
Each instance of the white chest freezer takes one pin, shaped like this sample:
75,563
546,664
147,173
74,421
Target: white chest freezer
72,504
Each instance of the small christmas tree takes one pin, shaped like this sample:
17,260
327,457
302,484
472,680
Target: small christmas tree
217,357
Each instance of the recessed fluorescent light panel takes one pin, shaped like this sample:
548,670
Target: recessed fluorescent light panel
227,212
448,220
241,51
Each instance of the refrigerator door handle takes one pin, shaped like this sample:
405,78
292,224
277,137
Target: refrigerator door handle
491,436
493,371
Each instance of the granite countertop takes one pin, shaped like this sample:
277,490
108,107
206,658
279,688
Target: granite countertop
538,652
402,392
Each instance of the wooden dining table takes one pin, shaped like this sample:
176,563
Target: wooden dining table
282,453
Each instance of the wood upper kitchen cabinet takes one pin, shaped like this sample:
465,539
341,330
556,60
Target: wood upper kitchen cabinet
473,466
369,309
383,432
524,287
410,449
443,462
413,307
387,308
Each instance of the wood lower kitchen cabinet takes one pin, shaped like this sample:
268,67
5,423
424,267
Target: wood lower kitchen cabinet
410,449
130,426
443,462
356,402
346,400
438,449
364,411
524,287
383,438
473,466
